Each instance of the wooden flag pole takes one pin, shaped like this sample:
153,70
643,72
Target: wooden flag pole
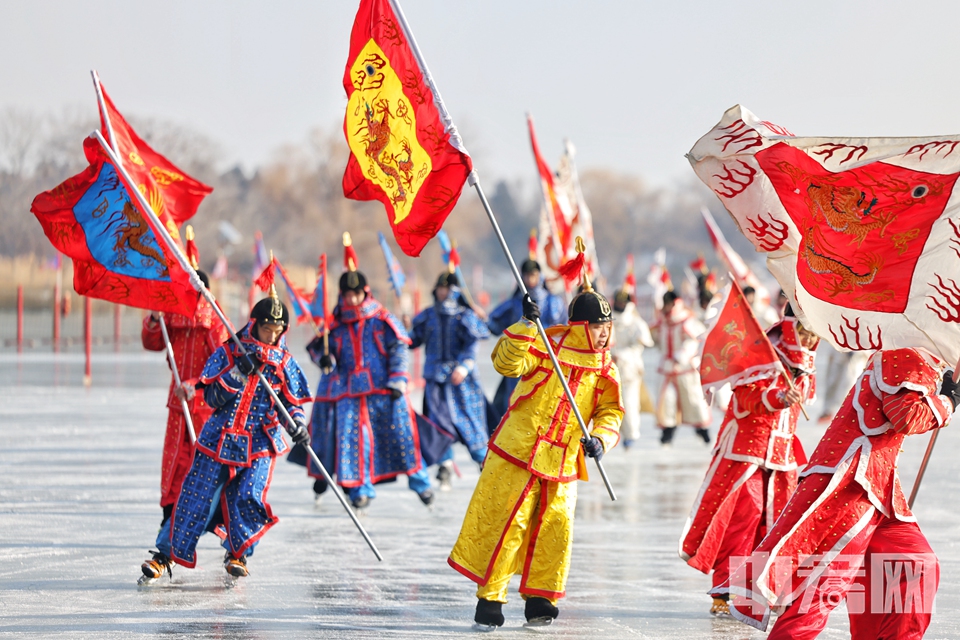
198,285
793,387
176,379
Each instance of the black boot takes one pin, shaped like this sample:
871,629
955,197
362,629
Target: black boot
539,611
705,434
489,613
666,436
320,486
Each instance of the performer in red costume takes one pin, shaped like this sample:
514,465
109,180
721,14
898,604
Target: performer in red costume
754,467
193,341
847,532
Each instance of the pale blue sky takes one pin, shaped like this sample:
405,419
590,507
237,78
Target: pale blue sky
632,83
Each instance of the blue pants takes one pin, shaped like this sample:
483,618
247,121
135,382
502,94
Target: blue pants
163,538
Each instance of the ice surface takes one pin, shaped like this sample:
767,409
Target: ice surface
78,511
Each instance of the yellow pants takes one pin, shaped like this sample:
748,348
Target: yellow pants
516,523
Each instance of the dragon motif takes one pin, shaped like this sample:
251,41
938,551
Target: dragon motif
732,347
129,237
396,167
847,279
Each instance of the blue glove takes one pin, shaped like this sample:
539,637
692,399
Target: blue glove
592,447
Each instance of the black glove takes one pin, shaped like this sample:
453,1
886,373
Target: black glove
248,363
316,345
531,310
950,388
592,447
395,394
299,434
326,363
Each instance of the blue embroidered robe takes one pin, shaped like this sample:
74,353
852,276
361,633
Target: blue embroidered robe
450,332
359,431
239,444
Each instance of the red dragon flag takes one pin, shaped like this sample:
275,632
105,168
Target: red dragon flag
863,233
168,189
731,259
117,253
735,349
557,233
404,149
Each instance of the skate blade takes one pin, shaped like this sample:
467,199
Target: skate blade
484,628
146,581
535,623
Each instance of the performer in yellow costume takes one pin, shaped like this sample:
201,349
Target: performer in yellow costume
520,518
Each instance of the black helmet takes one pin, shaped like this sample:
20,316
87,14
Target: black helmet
590,306
271,311
530,266
447,279
352,281
621,298
670,296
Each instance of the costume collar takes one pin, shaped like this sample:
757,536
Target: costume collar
452,305
786,342
573,347
366,309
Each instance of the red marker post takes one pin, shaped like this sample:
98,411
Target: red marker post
19,318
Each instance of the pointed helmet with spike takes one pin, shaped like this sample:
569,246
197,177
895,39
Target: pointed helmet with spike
352,279
588,305
270,310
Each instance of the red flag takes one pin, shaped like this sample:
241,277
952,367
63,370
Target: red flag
735,349
404,149
861,233
168,189
117,253
557,206
266,278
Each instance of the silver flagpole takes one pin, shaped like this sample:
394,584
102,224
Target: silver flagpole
474,181
198,285
176,380
163,325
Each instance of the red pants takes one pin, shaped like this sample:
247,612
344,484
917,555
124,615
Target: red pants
745,530
177,457
887,597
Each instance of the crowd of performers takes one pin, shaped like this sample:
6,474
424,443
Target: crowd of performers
763,513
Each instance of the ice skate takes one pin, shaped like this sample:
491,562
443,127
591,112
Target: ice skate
720,608
427,497
445,474
539,612
360,502
155,568
236,567
489,615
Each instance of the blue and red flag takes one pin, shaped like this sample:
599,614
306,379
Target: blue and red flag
117,254
394,270
318,306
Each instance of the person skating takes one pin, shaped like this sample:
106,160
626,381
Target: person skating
193,341
450,332
847,533
631,334
225,489
520,518
362,428
681,400
553,311
753,471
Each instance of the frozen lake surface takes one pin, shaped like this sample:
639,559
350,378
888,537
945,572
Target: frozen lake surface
79,485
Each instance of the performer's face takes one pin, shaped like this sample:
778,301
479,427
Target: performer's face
808,339
353,298
531,279
600,333
269,333
667,307
441,293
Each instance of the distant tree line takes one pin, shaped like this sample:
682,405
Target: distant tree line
296,201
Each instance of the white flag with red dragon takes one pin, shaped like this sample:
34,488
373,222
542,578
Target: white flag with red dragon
863,233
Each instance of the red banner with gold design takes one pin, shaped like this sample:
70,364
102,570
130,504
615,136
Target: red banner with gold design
735,349
173,195
404,149
862,233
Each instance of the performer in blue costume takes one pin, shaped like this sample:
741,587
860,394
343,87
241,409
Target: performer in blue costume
553,311
363,428
225,490
449,332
